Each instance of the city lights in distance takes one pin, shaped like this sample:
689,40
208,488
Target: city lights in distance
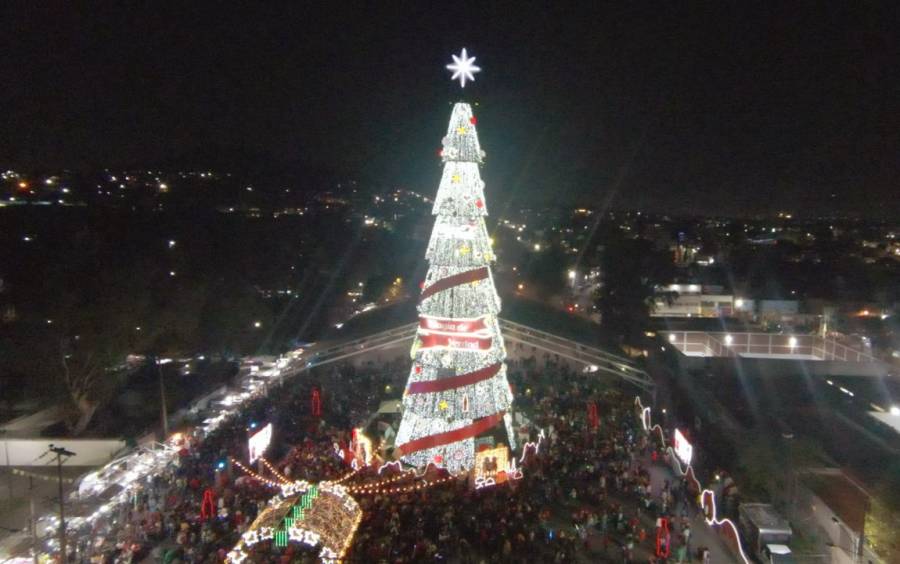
572,275
728,340
172,243
257,324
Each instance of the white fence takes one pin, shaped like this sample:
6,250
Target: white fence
29,452
724,344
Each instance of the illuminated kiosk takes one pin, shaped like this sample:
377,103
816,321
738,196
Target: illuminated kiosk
313,514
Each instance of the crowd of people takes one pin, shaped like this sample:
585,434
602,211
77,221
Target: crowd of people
585,495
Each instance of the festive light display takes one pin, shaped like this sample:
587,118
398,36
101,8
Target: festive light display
323,515
258,477
683,449
258,443
457,387
281,478
406,489
491,461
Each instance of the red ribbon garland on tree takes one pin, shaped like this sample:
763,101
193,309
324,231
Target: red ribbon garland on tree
476,428
452,325
444,384
316,401
460,342
455,280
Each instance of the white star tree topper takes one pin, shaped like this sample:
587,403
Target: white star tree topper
463,68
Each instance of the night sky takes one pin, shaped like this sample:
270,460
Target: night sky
724,108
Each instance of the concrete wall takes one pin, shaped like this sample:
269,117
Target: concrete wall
89,452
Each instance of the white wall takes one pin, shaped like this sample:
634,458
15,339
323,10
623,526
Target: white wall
89,452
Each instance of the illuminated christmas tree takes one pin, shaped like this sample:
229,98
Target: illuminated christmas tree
457,389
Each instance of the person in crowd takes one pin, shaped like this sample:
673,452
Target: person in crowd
584,480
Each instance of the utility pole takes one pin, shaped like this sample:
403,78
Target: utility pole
32,524
61,452
164,415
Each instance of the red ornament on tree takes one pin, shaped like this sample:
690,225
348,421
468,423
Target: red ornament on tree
422,285
418,369
472,120
479,204
438,458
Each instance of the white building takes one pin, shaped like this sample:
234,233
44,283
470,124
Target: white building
695,300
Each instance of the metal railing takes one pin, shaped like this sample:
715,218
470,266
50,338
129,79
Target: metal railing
597,359
723,344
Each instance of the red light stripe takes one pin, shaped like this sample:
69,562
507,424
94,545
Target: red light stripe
455,280
467,432
430,386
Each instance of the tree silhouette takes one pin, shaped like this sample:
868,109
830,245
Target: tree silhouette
631,271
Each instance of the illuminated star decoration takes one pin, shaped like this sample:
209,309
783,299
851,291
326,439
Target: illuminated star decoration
463,68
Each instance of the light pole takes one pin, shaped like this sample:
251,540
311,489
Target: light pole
32,524
61,452
164,415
